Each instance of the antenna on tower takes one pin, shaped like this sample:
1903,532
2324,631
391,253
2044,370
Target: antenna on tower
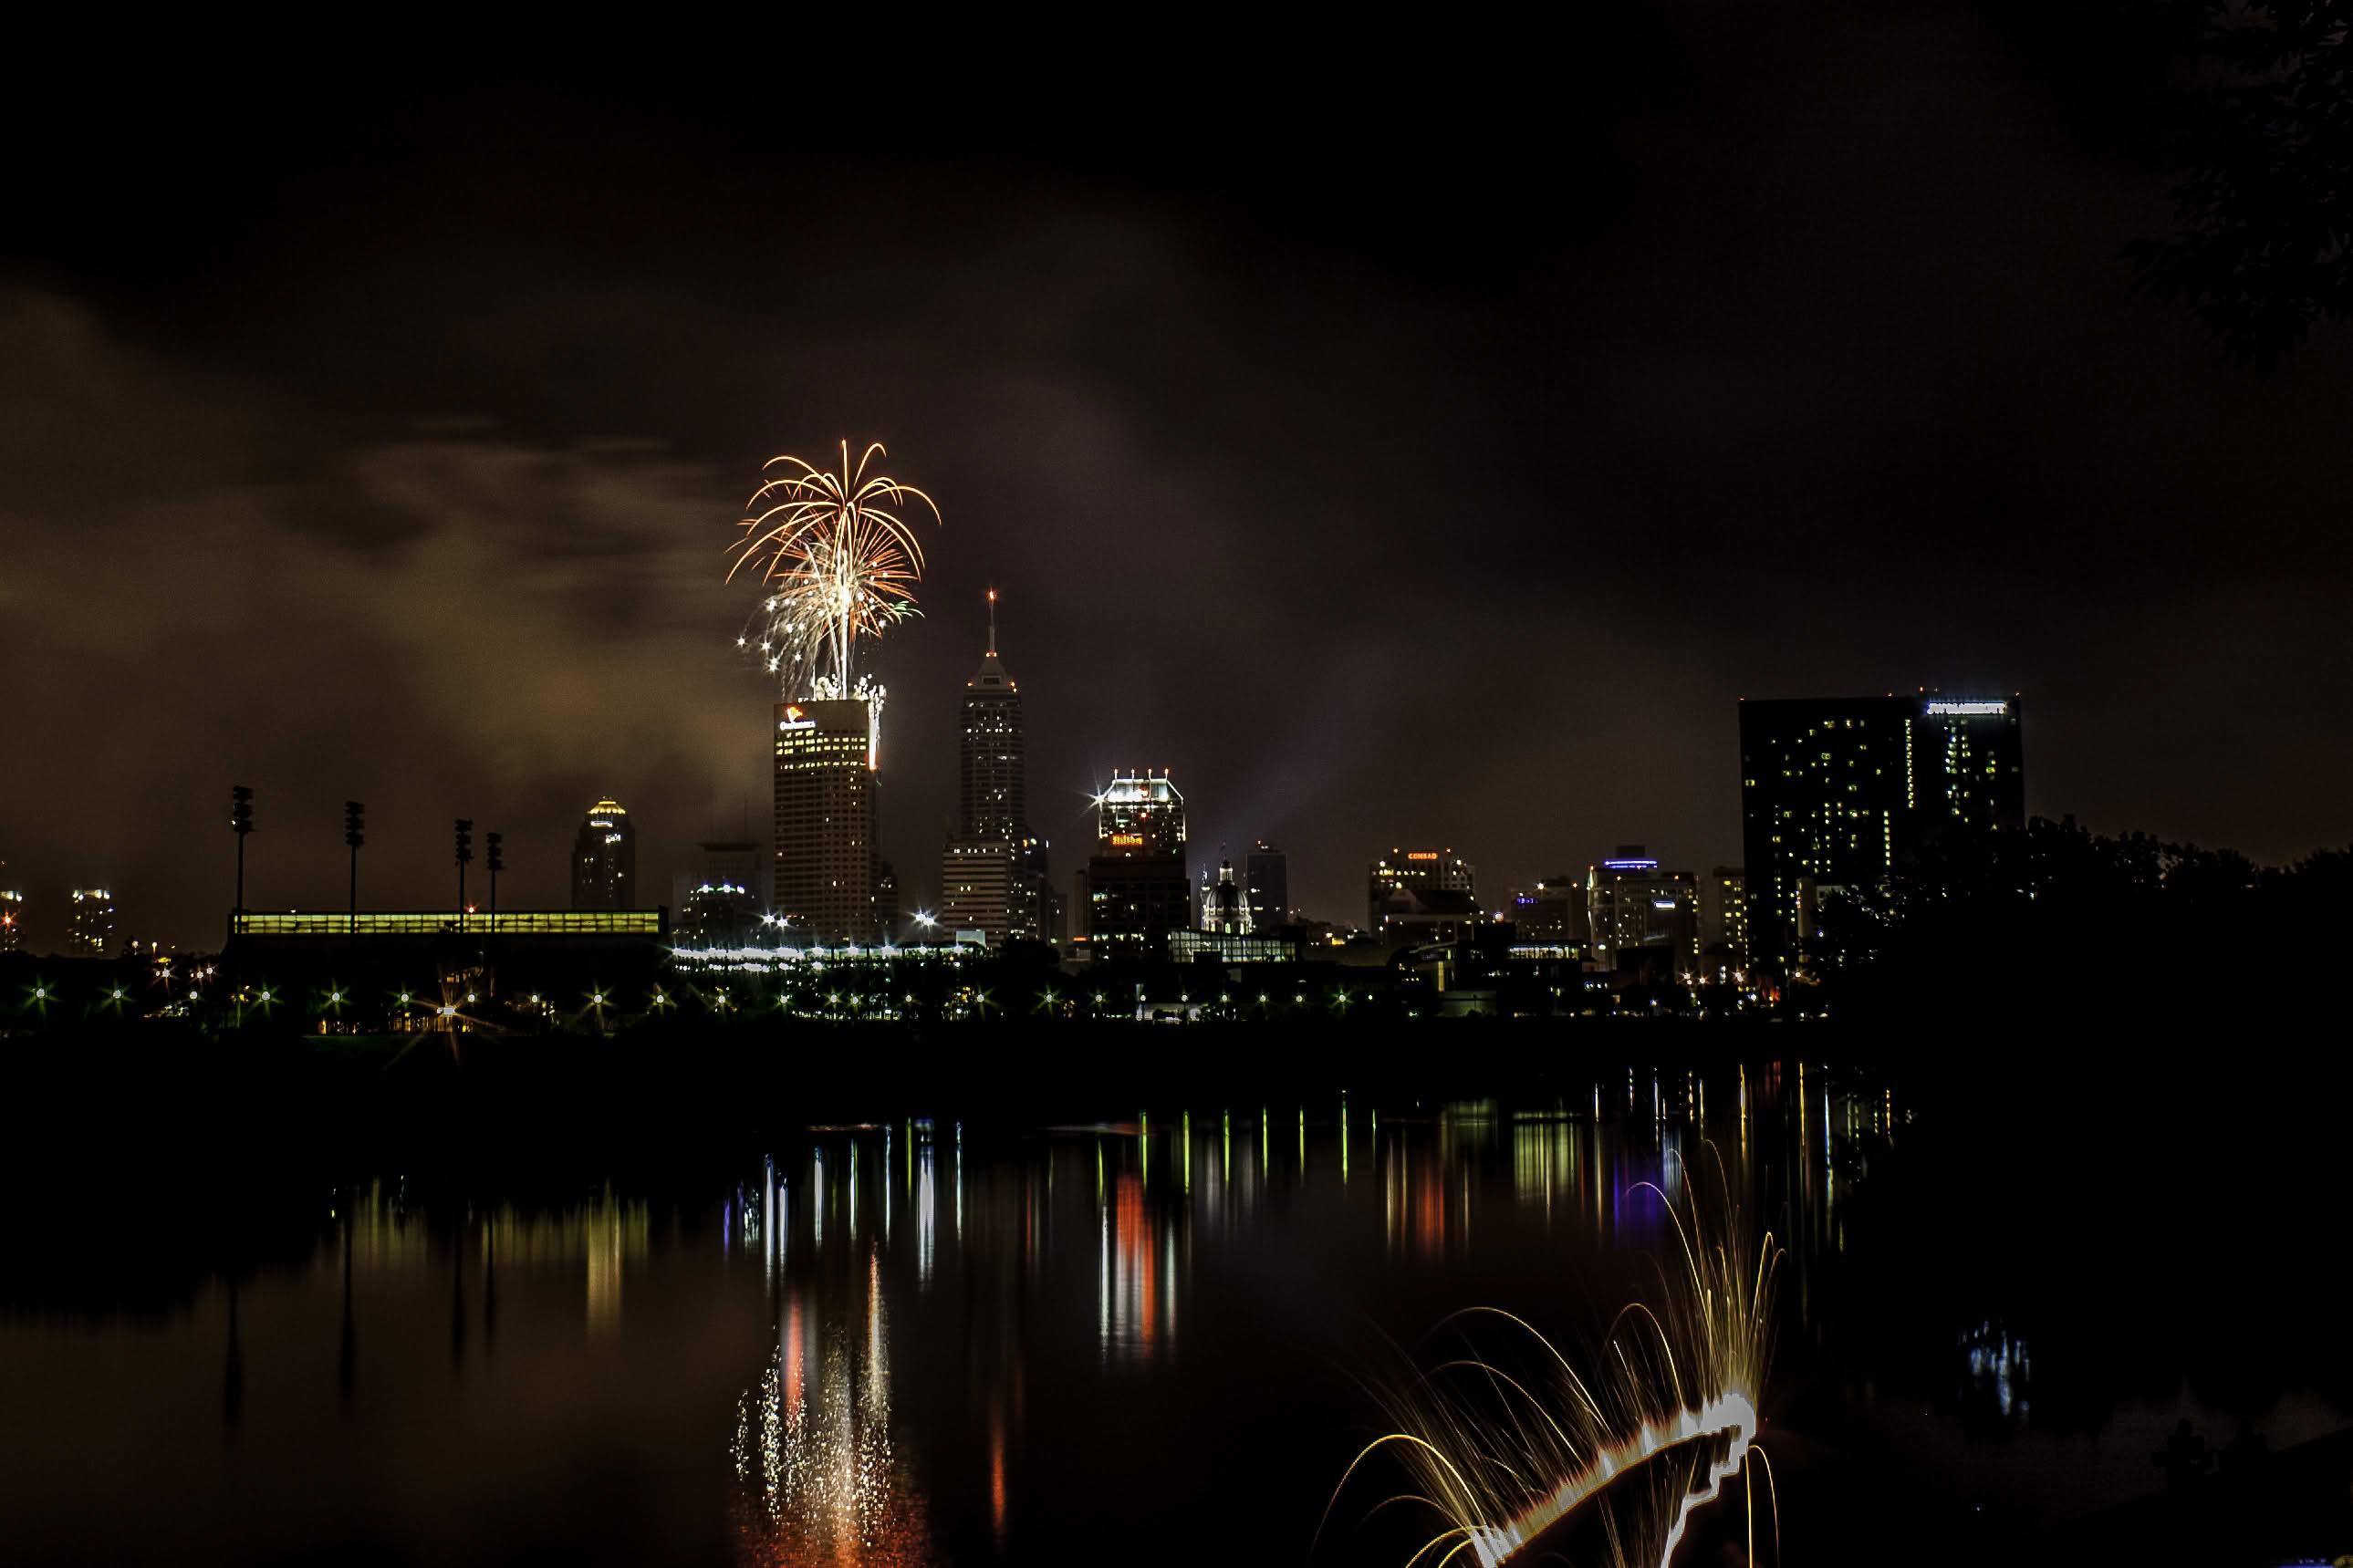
992,623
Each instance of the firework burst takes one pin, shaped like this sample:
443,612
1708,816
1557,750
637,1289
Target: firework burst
1518,1454
839,561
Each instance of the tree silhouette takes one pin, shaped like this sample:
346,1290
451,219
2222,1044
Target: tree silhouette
2263,207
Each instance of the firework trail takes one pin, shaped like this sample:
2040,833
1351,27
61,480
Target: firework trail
839,561
1512,1466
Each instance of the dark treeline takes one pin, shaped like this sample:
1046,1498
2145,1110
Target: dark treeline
2062,924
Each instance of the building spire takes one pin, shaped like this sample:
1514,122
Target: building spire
992,623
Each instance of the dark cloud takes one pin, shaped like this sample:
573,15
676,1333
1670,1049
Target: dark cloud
1422,446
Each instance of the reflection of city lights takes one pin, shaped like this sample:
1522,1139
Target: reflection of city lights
819,1477
1136,1304
997,1475
926,1218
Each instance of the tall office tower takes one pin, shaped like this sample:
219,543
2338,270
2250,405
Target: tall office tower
12,915
1266,870
1415,872
1723,926
719,907
993,869
1135,892
1839,795
1036,905
90,930
1225,906
605,859
827,870
993,795
1631,906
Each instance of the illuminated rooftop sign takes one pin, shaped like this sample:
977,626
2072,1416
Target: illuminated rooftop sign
1969,709
1128,840
1421,854
1630,865
796,718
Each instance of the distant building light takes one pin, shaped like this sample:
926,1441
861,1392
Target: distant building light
1630,865
1969,710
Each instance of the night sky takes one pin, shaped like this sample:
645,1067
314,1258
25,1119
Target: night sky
1403,441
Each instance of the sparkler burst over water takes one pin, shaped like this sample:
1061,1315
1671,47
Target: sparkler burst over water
839,560
1519,1459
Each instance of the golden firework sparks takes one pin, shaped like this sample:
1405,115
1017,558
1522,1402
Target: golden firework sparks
839,559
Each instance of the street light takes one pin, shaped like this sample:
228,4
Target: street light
465,838
240,822
354,834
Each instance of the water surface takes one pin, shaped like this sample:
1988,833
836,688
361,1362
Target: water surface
944,1340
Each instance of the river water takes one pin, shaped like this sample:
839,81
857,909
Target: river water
1149,1338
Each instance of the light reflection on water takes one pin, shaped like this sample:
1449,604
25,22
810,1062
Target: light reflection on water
823,1475
821,1481
922,1341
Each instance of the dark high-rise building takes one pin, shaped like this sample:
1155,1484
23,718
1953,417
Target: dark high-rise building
993,795
826,871
721,907
1839,795
1550,912
730,863
1135,891
605,859
993,869
1266,875
90,930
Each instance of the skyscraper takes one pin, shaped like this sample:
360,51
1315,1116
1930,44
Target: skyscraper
1415,872
720,906
605,859
1266,871
1135,891
1839,795
992,792
826,869
1632,906
90,930
1724,925
993,869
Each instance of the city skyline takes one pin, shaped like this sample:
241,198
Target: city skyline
1210,440
1933,707
1671,820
